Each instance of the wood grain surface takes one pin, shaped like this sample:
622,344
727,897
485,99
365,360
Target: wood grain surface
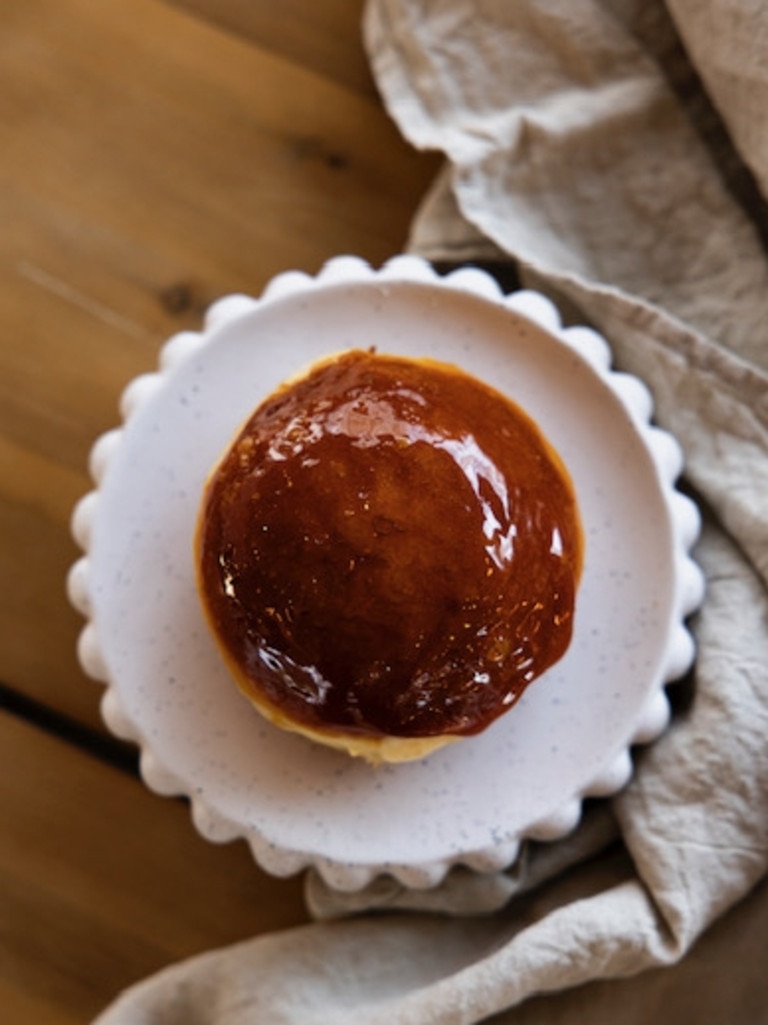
153,156
101,881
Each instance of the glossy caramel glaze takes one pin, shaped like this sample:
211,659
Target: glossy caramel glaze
390,547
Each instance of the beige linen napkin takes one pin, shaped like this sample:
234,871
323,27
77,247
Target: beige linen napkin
579,143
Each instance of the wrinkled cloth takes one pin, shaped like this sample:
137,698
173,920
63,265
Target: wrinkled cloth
616,151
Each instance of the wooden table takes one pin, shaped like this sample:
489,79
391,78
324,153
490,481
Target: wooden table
154,155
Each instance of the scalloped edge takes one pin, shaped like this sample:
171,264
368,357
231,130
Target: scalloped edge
665,453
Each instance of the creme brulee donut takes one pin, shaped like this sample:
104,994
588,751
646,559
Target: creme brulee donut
388,555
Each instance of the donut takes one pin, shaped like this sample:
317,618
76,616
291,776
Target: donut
388,554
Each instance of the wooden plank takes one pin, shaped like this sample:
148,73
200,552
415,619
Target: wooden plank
151,163
102,882
38,628
325,37
31,1009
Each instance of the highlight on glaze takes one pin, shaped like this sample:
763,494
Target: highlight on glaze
390,547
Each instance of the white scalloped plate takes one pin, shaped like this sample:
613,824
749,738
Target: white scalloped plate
472,803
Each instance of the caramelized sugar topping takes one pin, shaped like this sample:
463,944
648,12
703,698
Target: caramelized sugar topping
390,547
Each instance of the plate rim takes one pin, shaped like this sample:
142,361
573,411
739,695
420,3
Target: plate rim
662,448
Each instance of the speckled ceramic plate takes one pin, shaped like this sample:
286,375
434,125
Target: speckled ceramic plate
298,804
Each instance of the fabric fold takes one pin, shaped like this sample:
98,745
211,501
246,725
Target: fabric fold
579,146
